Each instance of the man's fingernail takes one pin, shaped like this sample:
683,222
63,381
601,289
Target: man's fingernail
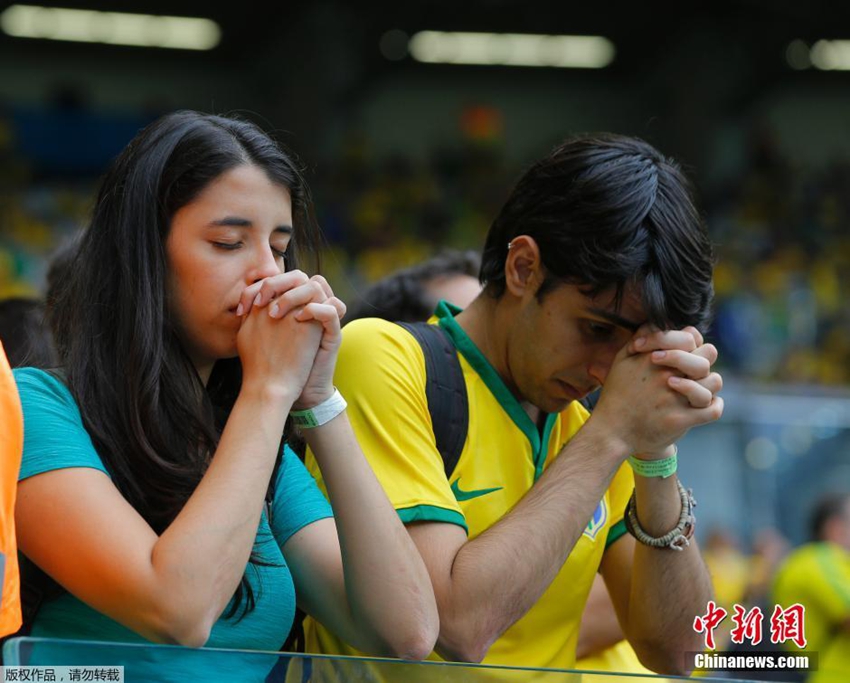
658,355
273,310
639,342
675,380
258,299
240,309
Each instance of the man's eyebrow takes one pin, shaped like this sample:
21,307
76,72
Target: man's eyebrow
614,318
236,222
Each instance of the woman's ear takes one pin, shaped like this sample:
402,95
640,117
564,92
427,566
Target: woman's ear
523,267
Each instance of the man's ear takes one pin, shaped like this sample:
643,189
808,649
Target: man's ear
523,267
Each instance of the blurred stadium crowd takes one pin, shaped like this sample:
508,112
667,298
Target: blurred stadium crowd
783,250
782,274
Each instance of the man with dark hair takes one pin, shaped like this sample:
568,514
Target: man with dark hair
597,272
410,294
817,576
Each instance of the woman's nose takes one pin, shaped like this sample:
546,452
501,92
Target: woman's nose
266,266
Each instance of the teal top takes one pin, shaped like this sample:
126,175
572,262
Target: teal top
54,438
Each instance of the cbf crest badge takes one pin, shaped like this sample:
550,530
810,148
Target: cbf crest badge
597,522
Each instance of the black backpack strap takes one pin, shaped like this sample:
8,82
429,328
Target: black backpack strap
590,401
445,391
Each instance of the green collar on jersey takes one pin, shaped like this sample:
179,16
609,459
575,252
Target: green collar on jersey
446,313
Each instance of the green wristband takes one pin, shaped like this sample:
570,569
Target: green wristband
655,468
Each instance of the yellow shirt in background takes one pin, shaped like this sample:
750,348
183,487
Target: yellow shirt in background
817,575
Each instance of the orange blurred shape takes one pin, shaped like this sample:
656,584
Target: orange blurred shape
481,123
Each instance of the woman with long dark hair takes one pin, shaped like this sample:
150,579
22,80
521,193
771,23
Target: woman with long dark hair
155,486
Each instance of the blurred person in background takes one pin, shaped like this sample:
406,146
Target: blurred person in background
769,550
24,333
411,294
155,487
817,575
597,271
730,571
752,590
60,268
11,447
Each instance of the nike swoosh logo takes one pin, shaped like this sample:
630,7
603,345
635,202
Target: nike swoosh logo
461,496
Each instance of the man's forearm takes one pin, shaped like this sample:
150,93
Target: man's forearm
497,577
668,588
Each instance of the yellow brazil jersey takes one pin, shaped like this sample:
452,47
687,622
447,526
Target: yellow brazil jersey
381,373
817,576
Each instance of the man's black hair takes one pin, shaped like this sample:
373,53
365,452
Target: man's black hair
608,211
403,296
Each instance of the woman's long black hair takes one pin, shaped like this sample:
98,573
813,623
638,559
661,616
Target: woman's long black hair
149,416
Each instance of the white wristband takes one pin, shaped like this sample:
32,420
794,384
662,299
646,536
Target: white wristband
321,414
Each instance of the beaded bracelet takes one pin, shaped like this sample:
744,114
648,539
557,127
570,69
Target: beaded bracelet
675,539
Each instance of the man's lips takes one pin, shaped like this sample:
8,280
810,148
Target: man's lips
571,392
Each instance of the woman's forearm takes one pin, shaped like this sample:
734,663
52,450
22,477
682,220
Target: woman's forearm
388,587
201,558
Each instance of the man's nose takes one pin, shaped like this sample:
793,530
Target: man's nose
598,372
600,364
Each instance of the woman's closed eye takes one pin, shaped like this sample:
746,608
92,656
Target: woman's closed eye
230,246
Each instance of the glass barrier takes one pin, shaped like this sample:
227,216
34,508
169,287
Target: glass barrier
166,663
